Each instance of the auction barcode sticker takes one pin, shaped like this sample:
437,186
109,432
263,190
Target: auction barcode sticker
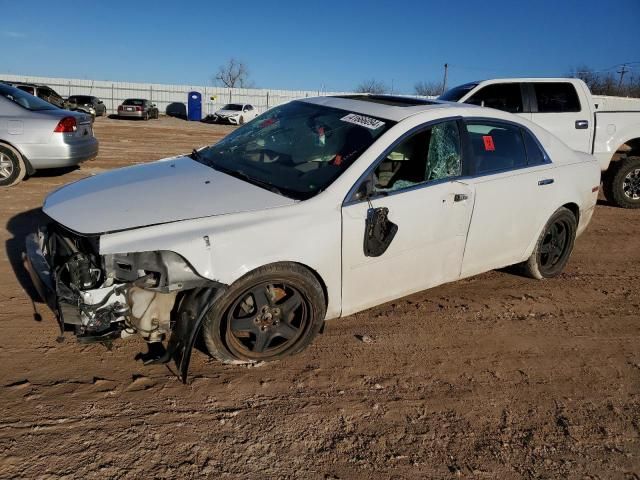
363,121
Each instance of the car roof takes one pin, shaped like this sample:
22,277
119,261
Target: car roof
489,81
28,84
389,107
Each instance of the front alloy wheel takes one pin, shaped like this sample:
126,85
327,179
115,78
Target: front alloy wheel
270,313
622,183
631,185
266,320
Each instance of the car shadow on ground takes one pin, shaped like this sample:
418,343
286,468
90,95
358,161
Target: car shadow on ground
54,172
605,203
19,227
118,117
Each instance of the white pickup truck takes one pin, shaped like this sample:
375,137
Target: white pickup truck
607,127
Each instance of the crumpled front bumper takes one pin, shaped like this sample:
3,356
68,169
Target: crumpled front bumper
232,120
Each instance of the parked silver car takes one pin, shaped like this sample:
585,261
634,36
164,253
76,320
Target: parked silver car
138,108
36,135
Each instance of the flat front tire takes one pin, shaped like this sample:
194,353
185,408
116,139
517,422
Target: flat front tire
270,313
12,167
554,247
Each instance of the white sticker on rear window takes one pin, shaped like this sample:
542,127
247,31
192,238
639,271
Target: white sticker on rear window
363,121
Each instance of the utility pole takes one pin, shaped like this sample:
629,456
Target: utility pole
444,82
622,71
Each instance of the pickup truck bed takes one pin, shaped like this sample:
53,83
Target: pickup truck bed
605,126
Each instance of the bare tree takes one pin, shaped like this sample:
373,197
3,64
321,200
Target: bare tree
605,83
428,89
372,86
233,74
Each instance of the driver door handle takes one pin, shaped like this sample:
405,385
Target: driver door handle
460,197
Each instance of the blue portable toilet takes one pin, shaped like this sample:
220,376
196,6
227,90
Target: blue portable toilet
194,103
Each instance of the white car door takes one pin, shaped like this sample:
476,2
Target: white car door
556,107
416,180
514,190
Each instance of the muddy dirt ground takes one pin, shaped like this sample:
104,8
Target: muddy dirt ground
497,376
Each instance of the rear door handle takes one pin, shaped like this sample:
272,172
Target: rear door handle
582,124
460,197
546,181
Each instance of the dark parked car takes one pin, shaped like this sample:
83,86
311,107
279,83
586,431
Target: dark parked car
47,94
138,108
87,104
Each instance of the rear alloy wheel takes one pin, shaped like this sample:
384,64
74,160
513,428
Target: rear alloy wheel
241,121
622,183
270,313
12,168
554,246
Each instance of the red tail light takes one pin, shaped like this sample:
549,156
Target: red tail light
66,125
120,107
138,109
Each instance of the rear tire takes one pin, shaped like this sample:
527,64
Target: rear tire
622,183
12,167
272,312
554,247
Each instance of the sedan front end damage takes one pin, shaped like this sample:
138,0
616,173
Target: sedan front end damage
103,297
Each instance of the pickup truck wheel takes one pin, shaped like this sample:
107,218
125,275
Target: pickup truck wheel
554,246
622,183
270,313
12,168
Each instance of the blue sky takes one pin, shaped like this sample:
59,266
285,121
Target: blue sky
315,44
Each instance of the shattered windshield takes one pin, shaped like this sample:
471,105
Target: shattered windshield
297,149
232,106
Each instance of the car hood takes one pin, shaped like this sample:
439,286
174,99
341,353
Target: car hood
229,113
160,192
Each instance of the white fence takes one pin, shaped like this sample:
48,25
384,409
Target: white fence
163,95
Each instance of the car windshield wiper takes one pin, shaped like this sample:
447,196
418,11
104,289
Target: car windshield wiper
243,176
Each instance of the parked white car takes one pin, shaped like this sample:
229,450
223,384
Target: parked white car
236,113
608,127
316,210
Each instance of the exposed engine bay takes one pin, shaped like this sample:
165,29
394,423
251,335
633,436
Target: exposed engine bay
113,295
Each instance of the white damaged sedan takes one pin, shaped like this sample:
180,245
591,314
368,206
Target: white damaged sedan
315,210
